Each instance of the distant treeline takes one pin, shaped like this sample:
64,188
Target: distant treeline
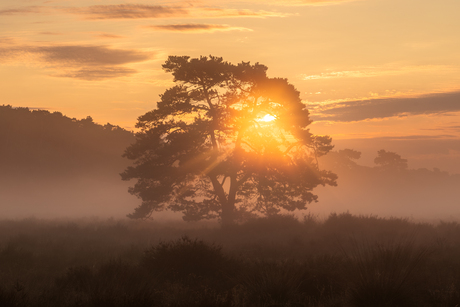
390,188
38,141
387,165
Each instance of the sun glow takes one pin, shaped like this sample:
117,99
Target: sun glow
267,118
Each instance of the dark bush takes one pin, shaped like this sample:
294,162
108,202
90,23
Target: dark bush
271,283
322,278
15,296
111,284
384,274
77,278
185,259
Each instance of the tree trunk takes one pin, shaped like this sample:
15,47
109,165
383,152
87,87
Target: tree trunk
227,203
228,209
228,214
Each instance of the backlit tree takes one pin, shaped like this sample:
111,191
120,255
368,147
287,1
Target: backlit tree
226,140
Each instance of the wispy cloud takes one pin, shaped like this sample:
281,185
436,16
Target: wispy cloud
108,35
197,28
455,128
219,12
376,72
7,40
96,74
88,55
143,11
51,33
128,11
389,107
138,11
81,62
301,2
20,11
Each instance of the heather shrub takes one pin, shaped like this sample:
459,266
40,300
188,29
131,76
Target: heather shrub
271,283
185,259
114,283
383,274
14,296
274,261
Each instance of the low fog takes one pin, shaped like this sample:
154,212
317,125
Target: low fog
57,167
53,166
420,194
27,196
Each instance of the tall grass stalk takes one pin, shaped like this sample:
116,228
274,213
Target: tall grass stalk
382,274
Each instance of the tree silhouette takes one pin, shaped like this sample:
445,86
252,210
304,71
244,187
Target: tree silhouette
388,160
226,140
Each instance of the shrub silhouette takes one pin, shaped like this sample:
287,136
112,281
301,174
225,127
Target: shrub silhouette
321,278
271,283
387,263
78,278
111,284
185,259
383,274
15,296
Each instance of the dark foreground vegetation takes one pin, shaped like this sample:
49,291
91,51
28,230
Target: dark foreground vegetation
279,261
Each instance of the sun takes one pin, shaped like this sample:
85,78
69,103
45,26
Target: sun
267,118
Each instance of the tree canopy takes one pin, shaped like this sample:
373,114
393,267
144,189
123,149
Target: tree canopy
225,141
388,160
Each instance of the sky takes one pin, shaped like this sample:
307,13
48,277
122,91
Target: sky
375,74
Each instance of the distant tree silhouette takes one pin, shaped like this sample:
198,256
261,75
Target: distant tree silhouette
390,161
341,160
350,153
224,141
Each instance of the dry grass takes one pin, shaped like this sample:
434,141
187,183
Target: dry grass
279,261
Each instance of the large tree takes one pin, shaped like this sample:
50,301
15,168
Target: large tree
224,141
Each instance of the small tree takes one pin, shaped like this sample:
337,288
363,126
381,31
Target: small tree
390,161
224,141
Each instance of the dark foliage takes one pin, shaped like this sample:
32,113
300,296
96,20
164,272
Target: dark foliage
385,274
112,284
388,160
187,260
15,296
392,262
39,141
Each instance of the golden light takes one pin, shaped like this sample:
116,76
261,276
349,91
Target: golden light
267,118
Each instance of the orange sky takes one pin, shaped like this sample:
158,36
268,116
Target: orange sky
381,72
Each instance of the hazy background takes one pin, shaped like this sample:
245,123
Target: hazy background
53,166
420,194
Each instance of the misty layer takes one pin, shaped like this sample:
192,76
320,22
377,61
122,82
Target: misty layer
53,166
390,188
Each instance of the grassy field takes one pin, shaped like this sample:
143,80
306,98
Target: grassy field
344,260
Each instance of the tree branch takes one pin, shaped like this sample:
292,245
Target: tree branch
219,190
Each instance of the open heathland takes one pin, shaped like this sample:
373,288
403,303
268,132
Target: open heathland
344,260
